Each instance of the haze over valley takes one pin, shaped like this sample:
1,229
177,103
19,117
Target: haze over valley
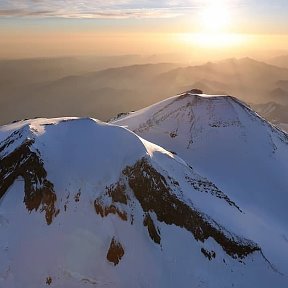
103,87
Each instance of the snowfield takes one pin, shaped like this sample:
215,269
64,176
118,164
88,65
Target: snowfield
231,145
89,204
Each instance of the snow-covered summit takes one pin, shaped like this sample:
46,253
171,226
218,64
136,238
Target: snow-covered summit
225,140
84,203
230,144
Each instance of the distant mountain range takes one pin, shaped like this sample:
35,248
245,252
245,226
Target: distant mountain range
275,113
34,88
280,61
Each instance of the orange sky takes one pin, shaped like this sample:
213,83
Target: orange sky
204,28
36,44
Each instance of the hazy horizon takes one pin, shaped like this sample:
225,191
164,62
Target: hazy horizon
197,29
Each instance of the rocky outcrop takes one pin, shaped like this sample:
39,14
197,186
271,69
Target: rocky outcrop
115,252
112,201
154,195
154,234
27,164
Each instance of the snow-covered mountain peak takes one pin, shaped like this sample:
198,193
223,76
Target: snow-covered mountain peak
77,136
123,212
192,111
187,119
80,146
227,142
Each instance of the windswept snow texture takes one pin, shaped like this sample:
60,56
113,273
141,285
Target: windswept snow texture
237,150
87,204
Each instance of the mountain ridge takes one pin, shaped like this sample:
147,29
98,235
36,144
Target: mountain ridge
114,202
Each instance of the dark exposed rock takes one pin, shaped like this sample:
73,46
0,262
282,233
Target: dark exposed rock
225,124
173,134
119,116
49,280
208,187
104,211
77,196
154,235
208,254
115,252
154,195
117,193
111,200
188,94
25,163
196,91
173,181
10,140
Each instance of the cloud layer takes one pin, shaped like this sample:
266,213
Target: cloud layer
96,8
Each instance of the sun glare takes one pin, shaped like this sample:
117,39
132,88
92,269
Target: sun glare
215,23
214,17
218,39
213,40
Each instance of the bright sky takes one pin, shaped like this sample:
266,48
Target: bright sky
55,27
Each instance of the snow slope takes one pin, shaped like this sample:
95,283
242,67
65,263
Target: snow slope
87,204
225,141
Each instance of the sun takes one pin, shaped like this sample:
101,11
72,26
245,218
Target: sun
214,26
214,17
